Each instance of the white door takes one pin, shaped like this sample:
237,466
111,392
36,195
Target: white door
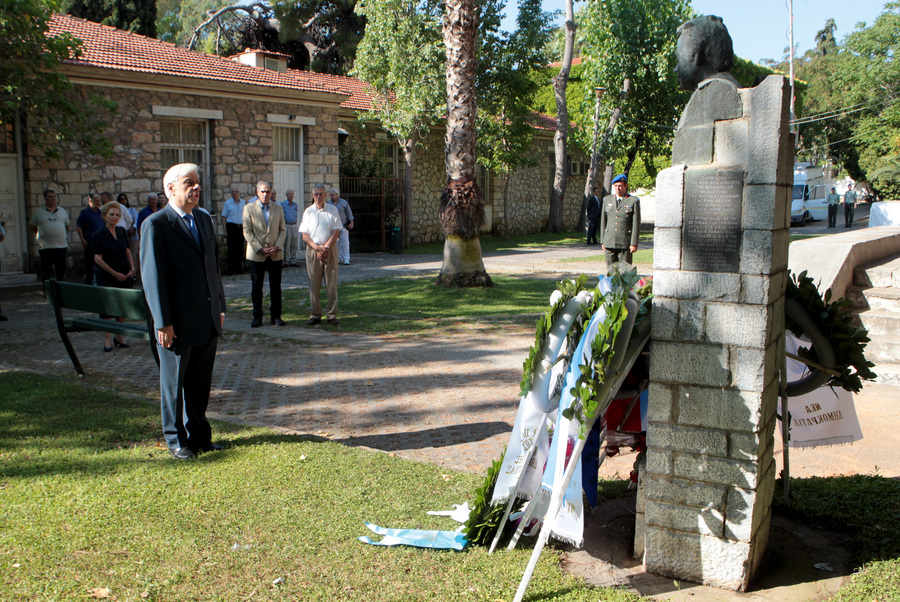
12,251
289,176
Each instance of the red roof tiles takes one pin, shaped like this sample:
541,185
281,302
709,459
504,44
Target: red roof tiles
111,48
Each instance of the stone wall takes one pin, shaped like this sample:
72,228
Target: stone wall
240,151
529,192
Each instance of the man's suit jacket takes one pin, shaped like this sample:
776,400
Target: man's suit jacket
181,281
620,222
593,207
260,236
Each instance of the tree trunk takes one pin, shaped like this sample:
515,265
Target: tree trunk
598,152
462,212
560,82
632,154
589,181
506,179
409,158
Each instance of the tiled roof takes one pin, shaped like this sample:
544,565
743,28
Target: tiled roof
110,48
359,100
575,61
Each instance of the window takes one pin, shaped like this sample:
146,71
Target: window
287,144
186,142
483,180
182,142
393,164
274,64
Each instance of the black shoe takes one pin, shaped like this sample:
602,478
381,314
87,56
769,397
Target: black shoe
121,344
211,447
182,453
107,349
313,321
278,322
255,323
334,321
3,318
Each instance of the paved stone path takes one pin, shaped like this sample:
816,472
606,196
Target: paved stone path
450,400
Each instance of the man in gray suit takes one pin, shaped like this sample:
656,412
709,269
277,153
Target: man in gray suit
183,288
265,231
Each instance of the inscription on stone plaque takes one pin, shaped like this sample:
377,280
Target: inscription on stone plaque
712,220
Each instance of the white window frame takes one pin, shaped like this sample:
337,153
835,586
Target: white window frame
205,199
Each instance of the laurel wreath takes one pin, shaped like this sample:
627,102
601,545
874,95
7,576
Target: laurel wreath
835,320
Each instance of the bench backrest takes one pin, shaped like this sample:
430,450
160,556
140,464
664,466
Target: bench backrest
123,302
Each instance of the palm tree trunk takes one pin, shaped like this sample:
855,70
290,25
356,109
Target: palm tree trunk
461,212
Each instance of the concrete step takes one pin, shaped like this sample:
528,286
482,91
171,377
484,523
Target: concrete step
18,279
882,273
884,349
875,298
880,322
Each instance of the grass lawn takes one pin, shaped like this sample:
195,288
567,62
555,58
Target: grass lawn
91,505
416,305
867,509
643,255
497,243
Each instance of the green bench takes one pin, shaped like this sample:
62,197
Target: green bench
127,303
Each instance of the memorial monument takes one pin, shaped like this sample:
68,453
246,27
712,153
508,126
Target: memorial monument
720,259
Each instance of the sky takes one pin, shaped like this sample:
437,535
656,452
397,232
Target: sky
759,28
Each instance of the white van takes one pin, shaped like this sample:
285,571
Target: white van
808,199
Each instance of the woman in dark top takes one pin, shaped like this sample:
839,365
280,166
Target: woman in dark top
114,266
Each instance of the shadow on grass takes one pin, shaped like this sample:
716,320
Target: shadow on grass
434,437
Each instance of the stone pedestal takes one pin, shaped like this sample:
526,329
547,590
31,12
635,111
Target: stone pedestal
720,255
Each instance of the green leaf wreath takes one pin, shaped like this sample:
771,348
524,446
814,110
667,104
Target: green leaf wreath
484,518
835,320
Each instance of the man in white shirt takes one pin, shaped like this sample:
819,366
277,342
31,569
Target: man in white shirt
51,225
232,222
321,227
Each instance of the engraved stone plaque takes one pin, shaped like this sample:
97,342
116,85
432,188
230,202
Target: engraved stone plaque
712,219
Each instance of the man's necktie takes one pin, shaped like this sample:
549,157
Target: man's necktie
189,219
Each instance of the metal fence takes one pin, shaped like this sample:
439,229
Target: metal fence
377,205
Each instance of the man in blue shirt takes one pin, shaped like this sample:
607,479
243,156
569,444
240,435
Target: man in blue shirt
346,215
90,220
151,208
291,213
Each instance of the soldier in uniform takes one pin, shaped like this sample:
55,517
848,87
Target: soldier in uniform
620,223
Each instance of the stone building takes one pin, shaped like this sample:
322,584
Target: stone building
240,119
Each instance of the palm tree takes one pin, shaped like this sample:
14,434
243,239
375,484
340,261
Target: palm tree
461,213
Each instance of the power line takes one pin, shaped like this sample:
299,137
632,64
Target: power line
812,148
815,118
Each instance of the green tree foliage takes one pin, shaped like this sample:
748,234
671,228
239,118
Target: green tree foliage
851,112
506,89
401,58
636,40
824,91
335,26
138,16
176,21
32,85
871,72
